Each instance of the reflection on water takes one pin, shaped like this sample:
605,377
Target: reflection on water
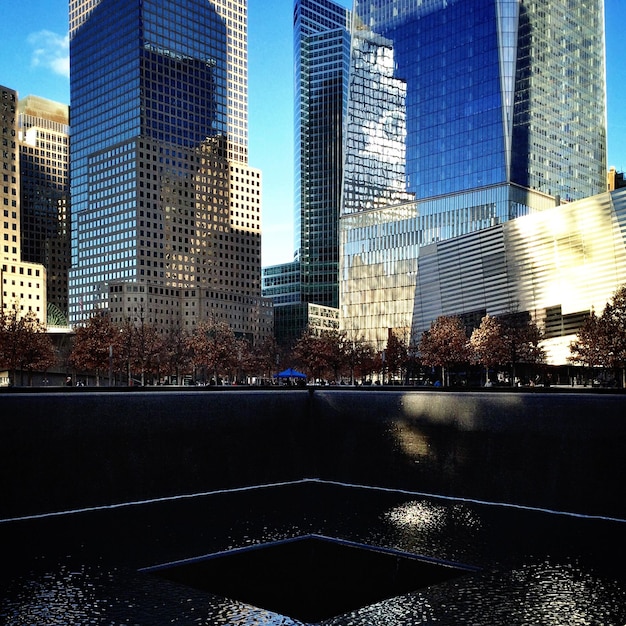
541,593
536,568
425,527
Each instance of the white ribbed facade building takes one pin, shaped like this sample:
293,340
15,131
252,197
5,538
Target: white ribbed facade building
556,266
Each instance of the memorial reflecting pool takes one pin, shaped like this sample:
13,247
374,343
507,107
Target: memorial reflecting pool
438,558
522,566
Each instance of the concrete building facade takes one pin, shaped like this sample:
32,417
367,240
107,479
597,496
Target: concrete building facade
44,195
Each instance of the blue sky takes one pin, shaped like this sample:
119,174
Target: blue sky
34,60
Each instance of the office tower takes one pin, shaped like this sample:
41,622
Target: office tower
10,177
164,203
321,61
498,91
305,292
615,179
462,116
44,174
23,284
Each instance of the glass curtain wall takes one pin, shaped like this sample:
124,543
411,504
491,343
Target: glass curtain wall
497,91
321,57
472,113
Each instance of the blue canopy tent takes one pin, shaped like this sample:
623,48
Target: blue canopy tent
290,373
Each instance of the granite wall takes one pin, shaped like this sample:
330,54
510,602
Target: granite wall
75,449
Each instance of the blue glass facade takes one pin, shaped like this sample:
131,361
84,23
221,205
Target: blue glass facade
453,111
462,115
497,91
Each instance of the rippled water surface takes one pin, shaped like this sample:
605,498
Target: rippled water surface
535,567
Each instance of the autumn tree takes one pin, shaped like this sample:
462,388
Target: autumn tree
413,360
244,361
522,339
176,353
360,359
602,340
396,354
310,353
613,323
94,345
444,345
147,346
334,347
124,357
331,353
24,343
266,355
488,345
591,344
38,354
213,347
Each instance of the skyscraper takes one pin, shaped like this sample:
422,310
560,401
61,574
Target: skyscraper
305,291
44,194
462,115
164,203
321,61
497,91
23,283
10,177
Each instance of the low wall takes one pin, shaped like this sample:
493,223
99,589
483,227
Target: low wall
71,450
558,451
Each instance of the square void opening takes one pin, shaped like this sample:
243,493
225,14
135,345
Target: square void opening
310,579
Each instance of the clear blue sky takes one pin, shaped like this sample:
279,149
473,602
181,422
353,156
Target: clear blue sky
34,60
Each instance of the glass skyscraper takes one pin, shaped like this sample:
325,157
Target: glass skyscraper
305,291
321,61
462,115
162,195
497,91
